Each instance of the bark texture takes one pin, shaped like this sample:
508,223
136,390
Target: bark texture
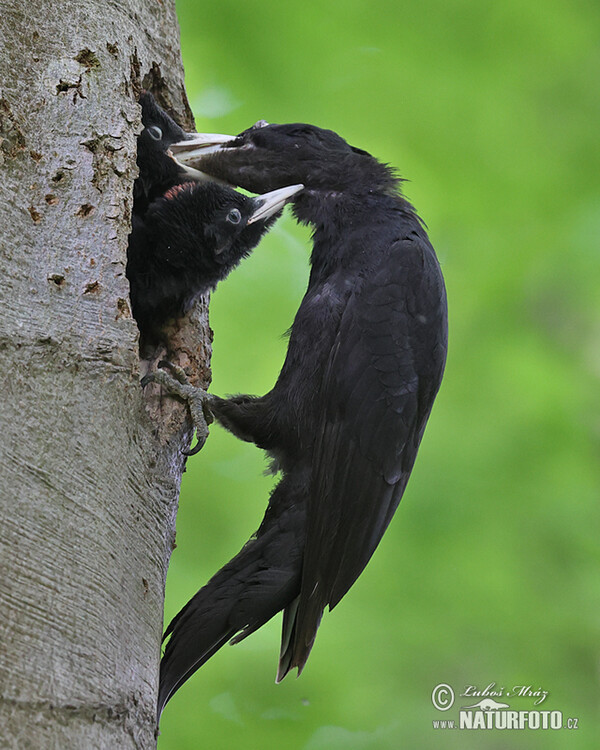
89,467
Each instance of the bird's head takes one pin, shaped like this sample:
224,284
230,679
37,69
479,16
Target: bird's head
159,133
225,224
155,162
266,157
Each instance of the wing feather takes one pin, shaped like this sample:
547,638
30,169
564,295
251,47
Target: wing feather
378,388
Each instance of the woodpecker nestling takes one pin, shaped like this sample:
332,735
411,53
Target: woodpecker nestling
345,418
188,241
186,236
158,171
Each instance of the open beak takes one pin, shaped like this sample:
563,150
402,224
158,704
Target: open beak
198,145
195,146
271,203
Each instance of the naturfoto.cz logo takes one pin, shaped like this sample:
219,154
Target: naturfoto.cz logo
485,710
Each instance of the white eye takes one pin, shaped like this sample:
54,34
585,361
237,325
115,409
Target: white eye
154,132
234,216
260,124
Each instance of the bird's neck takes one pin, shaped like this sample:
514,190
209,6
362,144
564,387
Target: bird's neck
342,220
338,212
326,209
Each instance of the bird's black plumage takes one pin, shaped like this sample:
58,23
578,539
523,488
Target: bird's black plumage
186,235
187,241
345,418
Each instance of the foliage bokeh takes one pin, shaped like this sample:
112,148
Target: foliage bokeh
489,571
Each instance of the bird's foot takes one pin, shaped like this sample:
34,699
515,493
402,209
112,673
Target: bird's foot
174,380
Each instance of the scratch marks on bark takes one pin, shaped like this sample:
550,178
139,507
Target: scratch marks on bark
57,279
92,287
12,140
62,87
87,58
90,62
36,216
85,210
123,309
106,159
59,176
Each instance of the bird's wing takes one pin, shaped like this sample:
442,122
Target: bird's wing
381,378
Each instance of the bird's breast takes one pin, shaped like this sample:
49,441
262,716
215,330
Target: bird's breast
313,335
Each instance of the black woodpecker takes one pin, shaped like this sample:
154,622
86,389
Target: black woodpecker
345,418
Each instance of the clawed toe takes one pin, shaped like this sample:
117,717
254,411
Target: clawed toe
175,370
176,383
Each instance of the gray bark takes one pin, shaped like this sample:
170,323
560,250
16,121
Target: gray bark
89,466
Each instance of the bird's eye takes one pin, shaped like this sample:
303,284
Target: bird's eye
155,132
260,124
234,216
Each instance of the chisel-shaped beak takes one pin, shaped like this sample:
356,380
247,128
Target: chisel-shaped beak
270,203
198,145
194,147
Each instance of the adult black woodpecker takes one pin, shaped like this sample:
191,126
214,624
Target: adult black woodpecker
186,235
345,418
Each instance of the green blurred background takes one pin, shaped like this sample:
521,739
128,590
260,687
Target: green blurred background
489,571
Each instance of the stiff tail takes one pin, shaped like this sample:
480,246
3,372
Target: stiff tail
261,580
298,635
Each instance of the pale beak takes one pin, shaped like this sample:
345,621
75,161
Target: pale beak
197,145
271,203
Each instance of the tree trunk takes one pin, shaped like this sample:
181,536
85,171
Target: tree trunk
89,473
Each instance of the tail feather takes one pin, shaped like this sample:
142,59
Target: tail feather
287,637
261,580
297,637
177,670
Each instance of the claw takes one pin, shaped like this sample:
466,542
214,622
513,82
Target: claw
177,384
197,448
147,379
177,371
